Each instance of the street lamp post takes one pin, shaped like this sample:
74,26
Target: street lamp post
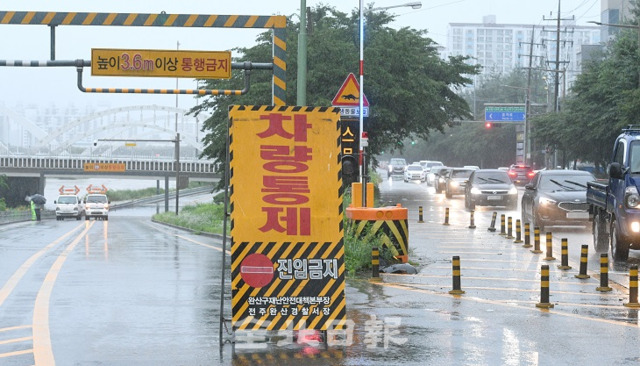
628,26
362,161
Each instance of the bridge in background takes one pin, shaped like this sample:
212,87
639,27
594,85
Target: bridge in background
60,167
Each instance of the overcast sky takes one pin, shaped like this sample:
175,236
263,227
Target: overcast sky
58,85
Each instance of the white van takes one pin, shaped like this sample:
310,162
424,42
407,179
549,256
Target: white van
69,205
96,206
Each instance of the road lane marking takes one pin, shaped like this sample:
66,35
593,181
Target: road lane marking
7,329
16,353
510,304
188,239
11,284
42,351
15,340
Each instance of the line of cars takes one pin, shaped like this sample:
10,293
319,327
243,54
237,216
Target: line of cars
550,197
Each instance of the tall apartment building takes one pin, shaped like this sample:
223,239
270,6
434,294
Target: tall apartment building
501,48
613,12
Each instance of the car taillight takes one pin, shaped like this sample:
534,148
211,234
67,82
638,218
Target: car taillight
530,174
512,173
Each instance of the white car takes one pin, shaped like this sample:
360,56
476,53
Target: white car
69,206
96,206
414,172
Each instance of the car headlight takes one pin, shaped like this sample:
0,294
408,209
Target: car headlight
544,201
475,190
631,197
454,184
513,190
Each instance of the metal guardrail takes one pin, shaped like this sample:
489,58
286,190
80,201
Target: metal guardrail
11,217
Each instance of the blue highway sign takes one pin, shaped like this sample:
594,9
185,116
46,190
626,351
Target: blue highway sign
504,114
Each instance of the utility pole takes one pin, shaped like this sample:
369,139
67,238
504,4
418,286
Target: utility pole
302,56
557,61
527,106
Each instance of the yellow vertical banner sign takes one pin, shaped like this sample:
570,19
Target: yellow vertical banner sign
287,254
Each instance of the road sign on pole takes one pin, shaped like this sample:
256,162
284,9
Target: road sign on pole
504,113
348,98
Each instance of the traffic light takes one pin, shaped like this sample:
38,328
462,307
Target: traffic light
488,125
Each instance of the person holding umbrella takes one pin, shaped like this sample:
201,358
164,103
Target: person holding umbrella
37,203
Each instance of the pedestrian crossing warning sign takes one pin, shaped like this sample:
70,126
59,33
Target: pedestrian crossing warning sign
349,94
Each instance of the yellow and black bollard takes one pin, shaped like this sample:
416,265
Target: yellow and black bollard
518,232
604,273
509,228
527,236
633,287
446,216
549,256
472,224
565,255
420,219
457,290
375,264
536,240
503,225
492,227
584,252
544,288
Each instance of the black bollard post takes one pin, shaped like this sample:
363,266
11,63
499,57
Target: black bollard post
492,227
420,220
549,256
518,232
584,252
536,240
509,228
604,273
527,236
544,288
565,255
472,224
633,287
457,289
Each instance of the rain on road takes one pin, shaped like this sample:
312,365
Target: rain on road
128,291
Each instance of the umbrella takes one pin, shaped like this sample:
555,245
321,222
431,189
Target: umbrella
38,199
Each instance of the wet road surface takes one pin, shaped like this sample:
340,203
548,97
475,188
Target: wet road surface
128,291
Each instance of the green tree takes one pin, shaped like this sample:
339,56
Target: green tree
410,89
604,98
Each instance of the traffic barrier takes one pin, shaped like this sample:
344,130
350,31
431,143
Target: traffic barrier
564,259
420,219
633,287
457,289
390,223
536,240
446,216
472,224
492,227
518,232
604,273
502,225
549,256
509,228
527,236
544,288
584,252
375,264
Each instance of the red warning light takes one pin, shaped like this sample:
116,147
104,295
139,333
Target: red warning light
488,125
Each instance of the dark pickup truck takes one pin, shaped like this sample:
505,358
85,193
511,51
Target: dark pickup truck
615,204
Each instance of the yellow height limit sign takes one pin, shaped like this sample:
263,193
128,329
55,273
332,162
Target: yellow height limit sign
104,167
159,63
